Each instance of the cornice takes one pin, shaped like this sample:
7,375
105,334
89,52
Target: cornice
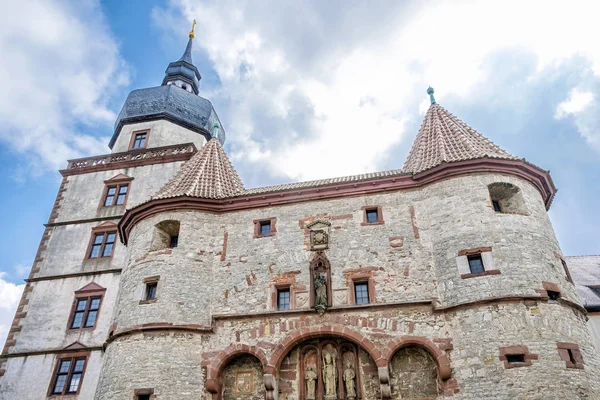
539,178
130,159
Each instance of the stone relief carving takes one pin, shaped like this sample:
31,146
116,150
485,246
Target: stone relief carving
349,375
340,297
319,235
302,299
311,381
330,373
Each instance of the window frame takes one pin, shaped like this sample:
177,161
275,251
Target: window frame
570,354
118,186
104,229
258,223
366,278
91,290
476,256
152,280
282,286
73,357
279,291
132,140
366,210
361,284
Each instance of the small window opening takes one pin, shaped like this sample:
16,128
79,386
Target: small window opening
143,397
184,86
265,228
372,215
361,292
552,295
515,358
475,263
595,289
140,140
166,235
571,358
283,299
151,290
496,205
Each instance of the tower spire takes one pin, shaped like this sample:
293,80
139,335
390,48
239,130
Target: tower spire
192,35
430,92
183,73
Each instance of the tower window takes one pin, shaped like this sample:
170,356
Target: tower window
102,245
361,292
116,195
139,140
515,358
151,290
507,198
475,263
496,205
166,235
283,299
174,240
68,376
553,295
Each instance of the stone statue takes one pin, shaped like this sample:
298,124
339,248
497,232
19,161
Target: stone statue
311,381
349,376
329,375
320,290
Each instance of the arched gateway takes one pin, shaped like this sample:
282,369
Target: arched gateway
328,363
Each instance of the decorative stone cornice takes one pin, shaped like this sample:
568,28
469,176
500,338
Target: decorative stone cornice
539,178
129,159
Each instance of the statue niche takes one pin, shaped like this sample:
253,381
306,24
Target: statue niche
320,283
328,371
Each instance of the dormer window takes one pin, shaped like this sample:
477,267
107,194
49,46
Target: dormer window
139,140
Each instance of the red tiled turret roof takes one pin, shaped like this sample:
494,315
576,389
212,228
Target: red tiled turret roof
445,138
208,174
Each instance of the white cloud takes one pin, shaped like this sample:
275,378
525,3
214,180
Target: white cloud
276,59
59,68
577,102
10,295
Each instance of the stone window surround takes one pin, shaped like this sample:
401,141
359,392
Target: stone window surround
379,215
58,359
132,139
516,350
563,352
565,267
272,221
117,181
275,288
107,227
83,294
367,278
486,258
142,392
149,280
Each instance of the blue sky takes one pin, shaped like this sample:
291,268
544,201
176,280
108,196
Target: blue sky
340,81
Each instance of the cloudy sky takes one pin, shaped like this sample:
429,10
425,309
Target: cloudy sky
341,82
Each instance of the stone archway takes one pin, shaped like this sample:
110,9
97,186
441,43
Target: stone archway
242,379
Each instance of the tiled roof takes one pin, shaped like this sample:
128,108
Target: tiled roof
585,271
208,174
444,138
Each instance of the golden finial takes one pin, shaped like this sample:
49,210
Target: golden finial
192,35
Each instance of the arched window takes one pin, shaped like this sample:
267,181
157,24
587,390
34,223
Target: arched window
166,235
506,198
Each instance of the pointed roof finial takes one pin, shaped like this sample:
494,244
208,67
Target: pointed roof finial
192,35
430,93
216,127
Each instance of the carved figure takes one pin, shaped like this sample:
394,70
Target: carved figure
311,380
329,374
320,290
349,376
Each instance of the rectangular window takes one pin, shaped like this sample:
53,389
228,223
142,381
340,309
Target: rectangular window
553,295
173,242
372,215
496,205
361,292
265,228
515,358
151,290
103,244
68,375
283,299
86,312
475,263
116,195
139,140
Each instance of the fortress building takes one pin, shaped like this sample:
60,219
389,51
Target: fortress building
160,276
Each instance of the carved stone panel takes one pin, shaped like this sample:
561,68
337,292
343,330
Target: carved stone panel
319,235
340,297
302,299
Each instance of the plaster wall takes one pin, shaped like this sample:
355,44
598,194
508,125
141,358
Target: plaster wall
50,305
29,378
162,133
594,325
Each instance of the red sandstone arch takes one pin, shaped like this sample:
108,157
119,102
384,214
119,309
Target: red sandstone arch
440,357
220,361
303,334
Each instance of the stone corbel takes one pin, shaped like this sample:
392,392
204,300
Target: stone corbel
270,387
384,383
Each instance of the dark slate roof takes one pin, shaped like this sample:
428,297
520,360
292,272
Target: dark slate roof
171,103
585,271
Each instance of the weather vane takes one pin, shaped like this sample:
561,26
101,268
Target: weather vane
192,35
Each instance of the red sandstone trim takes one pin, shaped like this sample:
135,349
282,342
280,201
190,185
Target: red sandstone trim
134,134
563,352
516,350
380,220
273,227
484,273
539,178
440,357
477,250
216,363
413,222
224,252
130,159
